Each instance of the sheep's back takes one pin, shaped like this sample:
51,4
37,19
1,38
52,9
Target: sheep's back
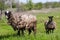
50,25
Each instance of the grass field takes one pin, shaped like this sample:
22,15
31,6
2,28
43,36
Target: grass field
7,33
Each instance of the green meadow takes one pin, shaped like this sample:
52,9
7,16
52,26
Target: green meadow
7,33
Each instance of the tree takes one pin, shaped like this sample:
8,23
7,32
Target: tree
18,6
38,5
55,4
1,7
1,4
47,4
13,5
30,4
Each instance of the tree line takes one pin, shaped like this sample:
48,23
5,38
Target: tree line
29,5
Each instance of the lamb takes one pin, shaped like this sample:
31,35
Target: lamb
50,25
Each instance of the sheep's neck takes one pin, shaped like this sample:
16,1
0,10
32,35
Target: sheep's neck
49,22
10,16
11,19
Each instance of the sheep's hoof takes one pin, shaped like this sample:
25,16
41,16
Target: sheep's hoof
47,32
18,34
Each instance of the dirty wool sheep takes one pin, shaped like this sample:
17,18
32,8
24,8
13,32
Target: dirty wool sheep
13,21
30,22
50,25
22,22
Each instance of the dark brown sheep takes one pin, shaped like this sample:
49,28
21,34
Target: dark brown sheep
50,25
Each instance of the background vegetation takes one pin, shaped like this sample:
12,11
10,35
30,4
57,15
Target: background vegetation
29,5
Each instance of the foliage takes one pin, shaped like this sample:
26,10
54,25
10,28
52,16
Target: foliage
38,6
13,5
46,5
56,4
30,5
1,5
52,4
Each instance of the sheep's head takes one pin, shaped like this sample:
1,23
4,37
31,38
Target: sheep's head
50,18
7,14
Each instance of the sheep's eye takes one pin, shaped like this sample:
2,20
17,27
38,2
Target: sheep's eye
19,24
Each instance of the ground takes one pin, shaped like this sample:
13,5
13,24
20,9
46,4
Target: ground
7,33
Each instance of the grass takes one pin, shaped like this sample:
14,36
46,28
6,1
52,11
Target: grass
7,33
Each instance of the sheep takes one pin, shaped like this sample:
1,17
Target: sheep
30,22
50,25
21,22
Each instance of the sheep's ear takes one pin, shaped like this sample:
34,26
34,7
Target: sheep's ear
5,13
50,16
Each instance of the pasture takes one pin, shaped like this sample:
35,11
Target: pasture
7,33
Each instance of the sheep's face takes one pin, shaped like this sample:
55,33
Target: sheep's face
7,14
50,18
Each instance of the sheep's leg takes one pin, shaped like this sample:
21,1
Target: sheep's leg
34,30
52,30
29,31
47,31
18,32
22,32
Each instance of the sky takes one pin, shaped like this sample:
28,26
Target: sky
43,1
